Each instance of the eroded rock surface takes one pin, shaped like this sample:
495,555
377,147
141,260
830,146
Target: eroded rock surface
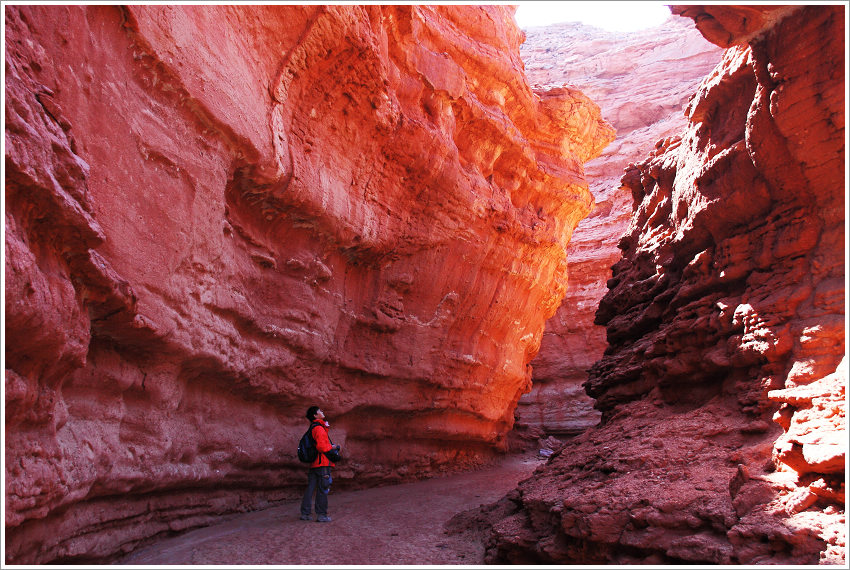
723,438
642,81
217,216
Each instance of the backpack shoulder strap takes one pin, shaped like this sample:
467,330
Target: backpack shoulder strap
317,423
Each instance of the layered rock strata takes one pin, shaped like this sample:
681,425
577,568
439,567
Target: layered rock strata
642,81
723,437
217,216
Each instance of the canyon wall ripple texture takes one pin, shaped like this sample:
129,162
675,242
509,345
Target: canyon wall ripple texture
217,216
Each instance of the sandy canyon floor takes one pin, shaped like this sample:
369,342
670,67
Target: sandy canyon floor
399,524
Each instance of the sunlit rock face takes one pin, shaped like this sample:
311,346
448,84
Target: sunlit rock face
723,438
642,81
218,216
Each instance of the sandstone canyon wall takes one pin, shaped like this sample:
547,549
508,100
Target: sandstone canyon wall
217,216
642,81
722,390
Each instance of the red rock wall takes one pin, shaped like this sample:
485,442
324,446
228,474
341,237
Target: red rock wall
218,216
724,435
642,81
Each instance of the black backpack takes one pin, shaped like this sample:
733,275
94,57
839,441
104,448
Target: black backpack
307,452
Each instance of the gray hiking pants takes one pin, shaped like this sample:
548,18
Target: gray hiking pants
319,483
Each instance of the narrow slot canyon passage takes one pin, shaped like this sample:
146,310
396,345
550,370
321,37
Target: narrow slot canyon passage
642,81
565,295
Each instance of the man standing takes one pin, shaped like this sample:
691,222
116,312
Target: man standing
319,477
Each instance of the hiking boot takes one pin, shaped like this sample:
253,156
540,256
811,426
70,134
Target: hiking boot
323,518
305,517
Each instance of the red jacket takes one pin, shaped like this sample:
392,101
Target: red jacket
323,444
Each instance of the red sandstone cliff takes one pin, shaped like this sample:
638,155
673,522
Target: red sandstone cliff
217,216
723,386
642,81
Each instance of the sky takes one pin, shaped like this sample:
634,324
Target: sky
614,16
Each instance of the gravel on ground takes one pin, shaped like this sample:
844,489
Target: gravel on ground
399,525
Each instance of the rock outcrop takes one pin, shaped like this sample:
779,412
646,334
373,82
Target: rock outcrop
217,216
642,81
722,391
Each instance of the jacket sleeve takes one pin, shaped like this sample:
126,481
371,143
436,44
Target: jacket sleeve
323,444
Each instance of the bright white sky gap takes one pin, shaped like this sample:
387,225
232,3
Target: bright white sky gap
614,16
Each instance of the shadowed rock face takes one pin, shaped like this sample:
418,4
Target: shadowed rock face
218,216
725,312
642,81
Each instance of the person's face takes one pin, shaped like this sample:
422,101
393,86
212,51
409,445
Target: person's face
320,415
